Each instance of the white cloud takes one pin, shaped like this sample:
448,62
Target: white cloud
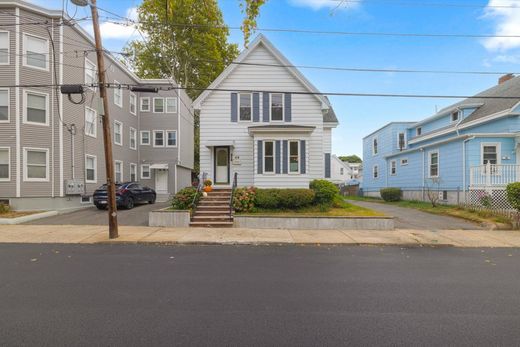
329,4
511,59
507,23
116,31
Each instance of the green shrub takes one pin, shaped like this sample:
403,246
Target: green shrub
390,194
267,198
295,198
184,198
513,195
324,190
244,199
4,208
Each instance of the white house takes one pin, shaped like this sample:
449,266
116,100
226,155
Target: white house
262,119
341,172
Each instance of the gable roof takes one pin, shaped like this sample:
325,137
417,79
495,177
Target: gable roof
328,114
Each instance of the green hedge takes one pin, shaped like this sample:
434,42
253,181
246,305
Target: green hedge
184,198
284,198
513,195
324,191
390,194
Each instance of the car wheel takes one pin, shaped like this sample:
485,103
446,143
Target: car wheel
152,201
100,207
129,204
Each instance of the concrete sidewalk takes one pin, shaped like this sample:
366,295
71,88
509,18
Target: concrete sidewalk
99,234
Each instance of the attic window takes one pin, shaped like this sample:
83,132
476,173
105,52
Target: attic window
455,116
418,131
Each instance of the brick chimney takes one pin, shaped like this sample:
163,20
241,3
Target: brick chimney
505,78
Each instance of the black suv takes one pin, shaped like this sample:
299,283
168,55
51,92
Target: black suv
127,195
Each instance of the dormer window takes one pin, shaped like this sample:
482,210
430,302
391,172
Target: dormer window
418,131
455,116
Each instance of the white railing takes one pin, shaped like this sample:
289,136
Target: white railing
483,176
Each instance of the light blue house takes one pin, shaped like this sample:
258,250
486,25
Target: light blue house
463,151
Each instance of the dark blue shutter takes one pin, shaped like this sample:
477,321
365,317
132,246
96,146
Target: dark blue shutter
303,156
265,106
287,107
234,107
327,165
285,157
260,159
256,107
278,157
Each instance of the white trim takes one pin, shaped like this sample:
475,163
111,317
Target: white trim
403,159
459,116
271,108
141,103
497,145
130,95
251,107
47,115
264,172
8,47
141,138
120,90
121,137
375,149
87,62
164,140
24,52
153,105
298,142
95,168
133,165
34,149
8,105
166,105
149,172
517,105
393,165
130,138
122,170
436,151
17,104
60,106
8,179
94,135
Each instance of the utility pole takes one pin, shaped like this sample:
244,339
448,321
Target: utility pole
107,136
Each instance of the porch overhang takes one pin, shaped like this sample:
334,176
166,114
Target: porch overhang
220,143
160,166
280,128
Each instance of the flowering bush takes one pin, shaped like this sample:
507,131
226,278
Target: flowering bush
485,199
208,183
244,199
184,198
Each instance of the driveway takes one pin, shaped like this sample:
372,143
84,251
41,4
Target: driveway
138,216
408,218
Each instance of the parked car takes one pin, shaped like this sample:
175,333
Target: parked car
127,195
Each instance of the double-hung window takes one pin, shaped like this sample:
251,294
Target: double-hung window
119,171
133,103
158,105
90,122
145,104
393,167
294,156
118,94
90,168
90,72
276,107
133,138
4,47
145,137
36,164
133,172
171,105
268,157
36,106
145,172
36,51
433,164
4,105
118,133
158,138
244,106
171,138
490,155
4,164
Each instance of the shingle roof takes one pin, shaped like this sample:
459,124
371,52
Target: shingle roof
329,116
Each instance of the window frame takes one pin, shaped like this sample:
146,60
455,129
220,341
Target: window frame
141,103
163,140
457,112
8,105
116,91
375,172
8,47
250,107
131,96
430,164
115,171
298,156
404,140
25,104
165,105
271,107
149,172
264,144
405,160
88,61
498,148
120,134
375,149
95,168
141,137
130,138
95,122
26,168
8,178
166,132
133,165
393,167
24,52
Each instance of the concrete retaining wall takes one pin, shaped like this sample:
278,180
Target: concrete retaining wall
28,218
169,218
314,223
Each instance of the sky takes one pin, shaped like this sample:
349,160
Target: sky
359,116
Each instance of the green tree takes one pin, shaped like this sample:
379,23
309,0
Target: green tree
350,158
251,9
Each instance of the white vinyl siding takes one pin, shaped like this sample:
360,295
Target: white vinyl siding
4,47
158,105
4,105
90,122
118,133
145,104
133,172
171,138
145,137
5,164
36,164
133,104
36,108
118,95
245,102
133,138
36,52
118,168
294,156
158,138
145,172
171,105
90,168
276,110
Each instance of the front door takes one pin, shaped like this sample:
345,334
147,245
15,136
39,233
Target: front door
221,165
161,181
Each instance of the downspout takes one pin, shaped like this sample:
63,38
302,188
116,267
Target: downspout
423,172
178,137
464,164
458,123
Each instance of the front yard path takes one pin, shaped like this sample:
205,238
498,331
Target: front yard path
408,218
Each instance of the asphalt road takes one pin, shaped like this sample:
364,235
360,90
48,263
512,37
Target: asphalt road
408,218
92,216
144,295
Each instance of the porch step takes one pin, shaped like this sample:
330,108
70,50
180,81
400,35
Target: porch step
212,212
212,224
212,208
217,218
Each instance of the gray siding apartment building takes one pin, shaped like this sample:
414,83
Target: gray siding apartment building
50,146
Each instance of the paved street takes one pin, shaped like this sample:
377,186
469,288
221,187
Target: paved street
408,218
138,216
128,295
